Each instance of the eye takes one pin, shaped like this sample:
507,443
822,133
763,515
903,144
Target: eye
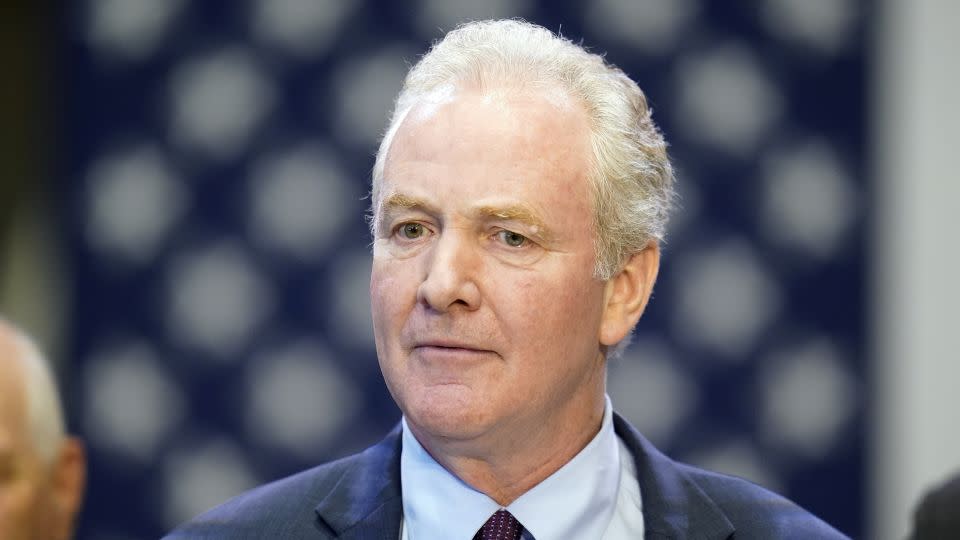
411,231
511,238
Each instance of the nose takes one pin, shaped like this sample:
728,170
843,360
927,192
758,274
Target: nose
449,281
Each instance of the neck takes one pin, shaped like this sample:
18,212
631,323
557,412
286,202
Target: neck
509,462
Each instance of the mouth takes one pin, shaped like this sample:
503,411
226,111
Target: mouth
450,349
450,346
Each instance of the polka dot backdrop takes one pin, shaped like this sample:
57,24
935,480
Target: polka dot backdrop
218,159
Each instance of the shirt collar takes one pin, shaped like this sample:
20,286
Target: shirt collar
437,504
576,501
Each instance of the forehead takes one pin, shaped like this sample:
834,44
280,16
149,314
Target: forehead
538,117
493,140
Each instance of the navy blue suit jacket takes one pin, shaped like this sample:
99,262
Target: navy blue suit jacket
358,497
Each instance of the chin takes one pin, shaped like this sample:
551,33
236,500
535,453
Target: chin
447,413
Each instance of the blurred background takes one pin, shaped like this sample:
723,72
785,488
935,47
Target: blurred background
181,225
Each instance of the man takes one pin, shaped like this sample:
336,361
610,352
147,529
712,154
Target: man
42,471
519,197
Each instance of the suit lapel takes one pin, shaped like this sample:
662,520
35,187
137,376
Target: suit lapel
366,503
673,505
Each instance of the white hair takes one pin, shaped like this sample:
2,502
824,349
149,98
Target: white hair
631,175
44,409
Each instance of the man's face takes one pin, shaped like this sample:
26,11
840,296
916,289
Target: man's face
485,309
23,475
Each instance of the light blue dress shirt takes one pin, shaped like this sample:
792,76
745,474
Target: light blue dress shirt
594,496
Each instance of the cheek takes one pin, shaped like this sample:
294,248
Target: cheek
527,309
393,293
385,284
548,313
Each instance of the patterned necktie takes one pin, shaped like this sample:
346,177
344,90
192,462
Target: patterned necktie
501,526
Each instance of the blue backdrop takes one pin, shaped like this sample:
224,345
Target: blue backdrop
217,156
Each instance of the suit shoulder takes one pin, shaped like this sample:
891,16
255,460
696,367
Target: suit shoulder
936,515
347,489
757,512
280,507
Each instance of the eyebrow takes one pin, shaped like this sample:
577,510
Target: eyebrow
400,201
516,212
396,202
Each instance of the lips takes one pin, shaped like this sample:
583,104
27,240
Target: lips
449,344
446,351
447,336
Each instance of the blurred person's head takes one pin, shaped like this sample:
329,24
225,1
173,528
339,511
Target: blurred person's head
42,470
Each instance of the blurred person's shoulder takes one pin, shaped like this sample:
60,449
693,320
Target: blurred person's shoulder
938,514
301,505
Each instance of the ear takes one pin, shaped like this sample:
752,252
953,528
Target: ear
627,293
69,481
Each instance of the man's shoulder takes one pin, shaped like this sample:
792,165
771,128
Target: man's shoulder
756,512
680,499
287,508
275,507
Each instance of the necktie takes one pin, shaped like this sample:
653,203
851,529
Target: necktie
501,526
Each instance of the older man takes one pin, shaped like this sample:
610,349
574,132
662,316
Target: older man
41,470
519,197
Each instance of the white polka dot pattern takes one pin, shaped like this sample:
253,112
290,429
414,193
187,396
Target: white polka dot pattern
212,208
